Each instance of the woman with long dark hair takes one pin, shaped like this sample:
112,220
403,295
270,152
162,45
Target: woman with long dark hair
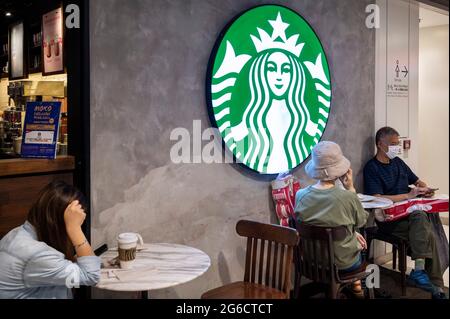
49,253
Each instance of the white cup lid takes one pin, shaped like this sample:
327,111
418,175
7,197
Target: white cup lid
127,238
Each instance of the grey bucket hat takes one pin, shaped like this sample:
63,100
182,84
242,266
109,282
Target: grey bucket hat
327,162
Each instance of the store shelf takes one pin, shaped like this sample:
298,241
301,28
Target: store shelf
20,166
35,70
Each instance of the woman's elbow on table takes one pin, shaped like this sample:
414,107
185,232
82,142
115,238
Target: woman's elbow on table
89,270
92,279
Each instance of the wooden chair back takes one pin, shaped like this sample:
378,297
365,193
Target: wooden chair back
315,253
269,253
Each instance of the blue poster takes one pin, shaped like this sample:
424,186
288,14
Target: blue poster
40,130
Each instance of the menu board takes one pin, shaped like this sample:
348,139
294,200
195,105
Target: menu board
40,130
52,42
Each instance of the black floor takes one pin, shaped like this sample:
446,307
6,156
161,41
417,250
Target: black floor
390,282
389,288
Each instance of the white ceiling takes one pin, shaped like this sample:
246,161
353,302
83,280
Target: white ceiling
431,17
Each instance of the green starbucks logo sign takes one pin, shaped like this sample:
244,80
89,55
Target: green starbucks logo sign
269,89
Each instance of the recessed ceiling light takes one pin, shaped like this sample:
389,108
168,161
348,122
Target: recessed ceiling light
8,14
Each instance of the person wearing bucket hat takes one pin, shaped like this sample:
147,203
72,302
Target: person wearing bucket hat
326,205
327,163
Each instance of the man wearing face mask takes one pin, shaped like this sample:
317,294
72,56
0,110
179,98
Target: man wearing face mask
386,175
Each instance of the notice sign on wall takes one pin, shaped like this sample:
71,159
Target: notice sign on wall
40,130
52,42
398,80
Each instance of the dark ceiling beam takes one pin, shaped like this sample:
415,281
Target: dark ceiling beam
24,10
441,4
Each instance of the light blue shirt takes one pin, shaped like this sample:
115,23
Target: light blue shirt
31,269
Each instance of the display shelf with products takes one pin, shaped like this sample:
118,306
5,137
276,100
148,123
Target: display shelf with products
35,47
3,56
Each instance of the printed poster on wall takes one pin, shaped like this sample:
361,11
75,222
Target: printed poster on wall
52,42
40,130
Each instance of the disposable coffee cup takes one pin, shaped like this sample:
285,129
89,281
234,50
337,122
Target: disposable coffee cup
127,246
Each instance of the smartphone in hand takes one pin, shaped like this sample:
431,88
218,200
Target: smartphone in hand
430,192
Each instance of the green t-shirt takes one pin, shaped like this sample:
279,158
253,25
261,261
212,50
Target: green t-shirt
332,208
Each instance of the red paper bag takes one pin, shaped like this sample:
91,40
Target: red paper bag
284,189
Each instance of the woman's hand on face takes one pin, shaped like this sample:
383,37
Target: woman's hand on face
347,180
361,240
74,215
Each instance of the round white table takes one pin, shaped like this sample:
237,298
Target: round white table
156,266
373,202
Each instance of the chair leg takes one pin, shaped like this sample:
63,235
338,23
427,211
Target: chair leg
394,257
369,244
402,266
371,293
297,283
333,292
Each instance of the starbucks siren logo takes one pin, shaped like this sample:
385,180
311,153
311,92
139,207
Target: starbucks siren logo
269,89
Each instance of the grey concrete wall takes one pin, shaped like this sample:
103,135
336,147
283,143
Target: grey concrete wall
148,66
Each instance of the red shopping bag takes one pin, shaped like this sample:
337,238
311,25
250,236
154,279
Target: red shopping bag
284,189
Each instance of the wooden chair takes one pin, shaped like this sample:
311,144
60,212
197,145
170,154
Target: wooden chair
398,245
314,259
268,257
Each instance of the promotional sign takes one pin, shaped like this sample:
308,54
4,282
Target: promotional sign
40,130
268,88
52,42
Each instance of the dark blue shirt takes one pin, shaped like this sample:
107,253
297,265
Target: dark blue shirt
388,179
